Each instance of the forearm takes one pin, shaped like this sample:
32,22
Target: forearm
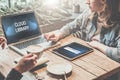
102,48
68,29
111,52
77,25
14,75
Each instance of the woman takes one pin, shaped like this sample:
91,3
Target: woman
100,25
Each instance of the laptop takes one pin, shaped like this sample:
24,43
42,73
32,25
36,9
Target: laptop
21,30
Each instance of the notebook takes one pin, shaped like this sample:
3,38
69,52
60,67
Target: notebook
72,51
21,30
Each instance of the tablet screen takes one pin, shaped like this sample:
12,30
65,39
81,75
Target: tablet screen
72,50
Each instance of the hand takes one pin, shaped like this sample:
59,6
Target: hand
96,38
26,63
2,42
98,45
53,36
94,44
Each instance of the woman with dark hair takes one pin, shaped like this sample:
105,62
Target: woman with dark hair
99,25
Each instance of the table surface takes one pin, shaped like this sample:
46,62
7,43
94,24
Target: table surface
92,66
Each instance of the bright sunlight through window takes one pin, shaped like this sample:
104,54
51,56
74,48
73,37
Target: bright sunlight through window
51,3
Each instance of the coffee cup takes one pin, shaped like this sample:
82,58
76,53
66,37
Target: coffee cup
76,8
35,49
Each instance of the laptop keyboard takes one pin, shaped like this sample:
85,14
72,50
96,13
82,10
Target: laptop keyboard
30,42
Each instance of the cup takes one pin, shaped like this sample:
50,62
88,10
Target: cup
35,49
76,8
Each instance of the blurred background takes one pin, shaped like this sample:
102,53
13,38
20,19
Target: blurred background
48,12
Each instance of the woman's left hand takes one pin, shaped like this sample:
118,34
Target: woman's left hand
98,45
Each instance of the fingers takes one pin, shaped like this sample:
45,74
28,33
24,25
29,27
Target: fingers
94,44
54,39
96,38
29,59
32,57
49,36
2,42
3,45
53,36
2,39
28,55
46,36
88,43
93,39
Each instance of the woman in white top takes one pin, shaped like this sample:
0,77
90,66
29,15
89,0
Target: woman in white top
99,25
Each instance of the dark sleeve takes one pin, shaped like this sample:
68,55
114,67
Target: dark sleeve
14,75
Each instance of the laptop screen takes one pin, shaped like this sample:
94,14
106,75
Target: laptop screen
20,26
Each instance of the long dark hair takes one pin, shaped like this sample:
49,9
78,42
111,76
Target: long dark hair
114,7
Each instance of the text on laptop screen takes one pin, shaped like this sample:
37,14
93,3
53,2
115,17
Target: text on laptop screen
18,27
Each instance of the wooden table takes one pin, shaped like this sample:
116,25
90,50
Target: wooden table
93,66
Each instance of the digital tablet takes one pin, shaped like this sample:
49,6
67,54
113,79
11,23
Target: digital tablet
72,50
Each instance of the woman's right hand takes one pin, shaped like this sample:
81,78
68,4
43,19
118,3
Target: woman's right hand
53,36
